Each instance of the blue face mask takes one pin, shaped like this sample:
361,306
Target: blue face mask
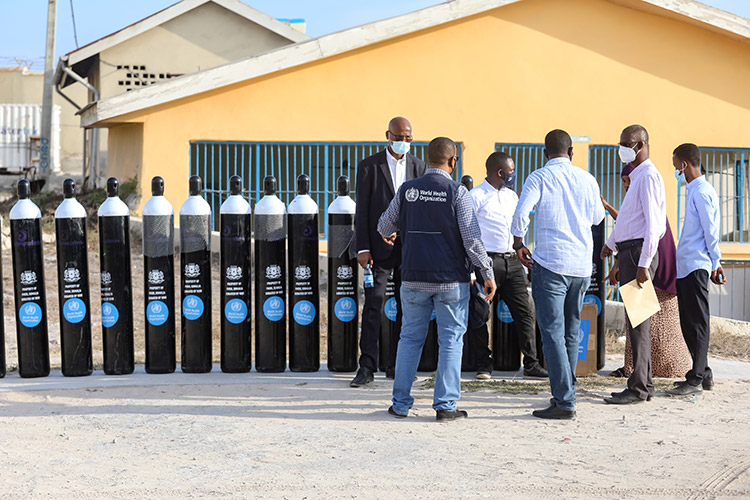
510,181
400,147
680,176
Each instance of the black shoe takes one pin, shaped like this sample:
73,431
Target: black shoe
536,370
363,378
447,415
392,412
554,413
390,372
685,389
708,383
615,394
626,397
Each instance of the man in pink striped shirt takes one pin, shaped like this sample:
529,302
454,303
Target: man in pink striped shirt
640,225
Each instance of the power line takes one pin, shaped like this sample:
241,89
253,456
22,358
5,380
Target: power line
73,15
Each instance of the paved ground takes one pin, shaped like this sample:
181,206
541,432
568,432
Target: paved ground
309,435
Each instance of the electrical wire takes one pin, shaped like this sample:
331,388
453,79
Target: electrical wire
73,15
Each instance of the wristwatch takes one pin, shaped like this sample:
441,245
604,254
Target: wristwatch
517,248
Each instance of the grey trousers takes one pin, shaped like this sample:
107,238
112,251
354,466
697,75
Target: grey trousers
640,382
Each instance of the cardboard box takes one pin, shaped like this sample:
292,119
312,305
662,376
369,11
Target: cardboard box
587,342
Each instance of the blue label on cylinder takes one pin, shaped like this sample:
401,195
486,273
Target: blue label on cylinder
30,314
235,311
157,313
503,313
110,315
74,310
390,309
192,307
304,312
273,308
345,309
593,299
583,339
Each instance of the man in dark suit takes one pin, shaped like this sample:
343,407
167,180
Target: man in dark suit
378,178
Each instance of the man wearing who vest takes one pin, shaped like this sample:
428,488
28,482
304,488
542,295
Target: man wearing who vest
566,200
441,240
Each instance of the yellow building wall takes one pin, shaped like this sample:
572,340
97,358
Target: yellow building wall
590,67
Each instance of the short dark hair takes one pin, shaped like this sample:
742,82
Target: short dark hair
440,150
638,131
496,159
688,152
557,142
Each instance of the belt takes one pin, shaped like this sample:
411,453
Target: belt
624,245
506,255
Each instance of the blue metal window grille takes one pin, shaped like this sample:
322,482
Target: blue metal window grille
605,166
216,161
728,171
527,157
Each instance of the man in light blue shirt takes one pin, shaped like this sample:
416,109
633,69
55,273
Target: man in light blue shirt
567,202
698,257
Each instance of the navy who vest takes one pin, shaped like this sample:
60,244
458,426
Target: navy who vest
432,248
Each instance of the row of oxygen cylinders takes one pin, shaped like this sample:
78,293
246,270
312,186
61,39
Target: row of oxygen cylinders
275,269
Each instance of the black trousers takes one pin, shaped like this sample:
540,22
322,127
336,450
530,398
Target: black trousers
512,288
372,314
640,381
692,297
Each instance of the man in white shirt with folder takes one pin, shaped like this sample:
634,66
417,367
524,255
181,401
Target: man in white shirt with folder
640,225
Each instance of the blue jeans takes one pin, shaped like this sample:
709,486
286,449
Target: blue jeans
452,310
558,300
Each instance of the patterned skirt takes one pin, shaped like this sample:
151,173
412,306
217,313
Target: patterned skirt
670,357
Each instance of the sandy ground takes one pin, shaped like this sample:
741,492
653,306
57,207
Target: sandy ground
311,436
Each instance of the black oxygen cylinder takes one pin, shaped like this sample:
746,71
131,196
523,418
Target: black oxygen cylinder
158,268
116,283
468,364
390,309
304,280
506,353
236,263
429,360
2,318
73,284
195,280
270,281
596,292
28,278
343,296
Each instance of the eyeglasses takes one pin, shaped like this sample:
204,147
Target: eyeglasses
398,138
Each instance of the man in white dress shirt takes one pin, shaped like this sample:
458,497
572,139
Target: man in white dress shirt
641,223
494,203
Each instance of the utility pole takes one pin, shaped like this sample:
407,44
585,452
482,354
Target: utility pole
47,160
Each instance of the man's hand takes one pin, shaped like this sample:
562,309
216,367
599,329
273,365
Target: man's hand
641,276
524,255
606,252
489,289
606,204
390,239
717,277
364,259
614,275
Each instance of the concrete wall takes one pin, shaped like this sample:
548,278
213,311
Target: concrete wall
125,151
18,86
511,74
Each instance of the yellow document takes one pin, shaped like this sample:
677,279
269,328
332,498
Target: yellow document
640,303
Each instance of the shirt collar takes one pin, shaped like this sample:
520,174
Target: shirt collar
393,158
696,182
439,171
641,168
486,185
558,161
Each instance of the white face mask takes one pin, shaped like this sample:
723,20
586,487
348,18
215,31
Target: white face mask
627,155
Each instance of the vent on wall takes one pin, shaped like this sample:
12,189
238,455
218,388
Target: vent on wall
135,75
